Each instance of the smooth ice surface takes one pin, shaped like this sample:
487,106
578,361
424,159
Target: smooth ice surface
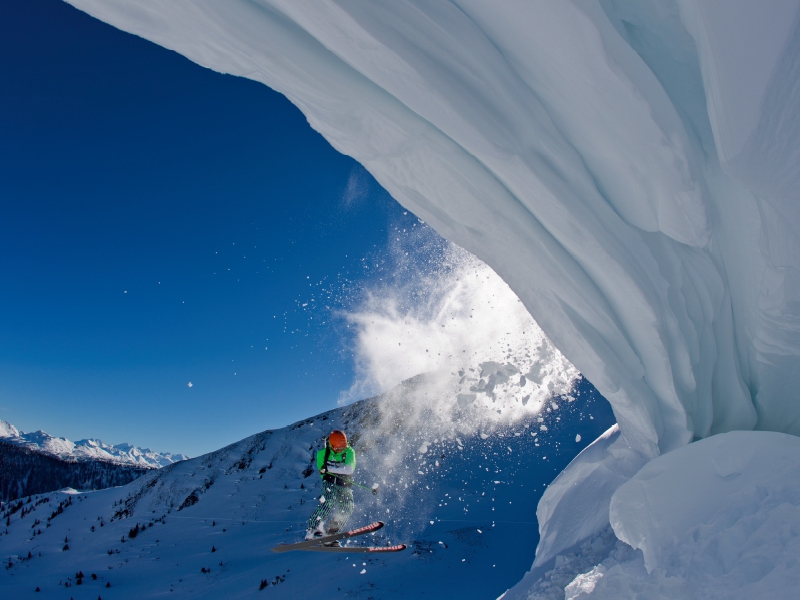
692,509
630,168
719,518
566,512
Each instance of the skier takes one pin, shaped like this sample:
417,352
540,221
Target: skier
336,463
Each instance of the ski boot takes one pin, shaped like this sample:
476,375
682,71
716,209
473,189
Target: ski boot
314,533
332,529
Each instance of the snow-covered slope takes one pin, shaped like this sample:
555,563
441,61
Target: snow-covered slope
25,472
84,450
461,491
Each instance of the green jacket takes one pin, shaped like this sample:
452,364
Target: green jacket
340,464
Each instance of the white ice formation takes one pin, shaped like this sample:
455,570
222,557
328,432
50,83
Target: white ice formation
714,519
629,167
90,449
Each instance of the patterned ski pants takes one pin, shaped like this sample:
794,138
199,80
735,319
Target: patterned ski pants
334,508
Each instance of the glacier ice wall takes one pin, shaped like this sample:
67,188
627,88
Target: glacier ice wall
628,167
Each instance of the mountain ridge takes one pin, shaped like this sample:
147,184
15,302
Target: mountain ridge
84,450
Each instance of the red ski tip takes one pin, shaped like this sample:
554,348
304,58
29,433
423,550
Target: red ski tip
396,548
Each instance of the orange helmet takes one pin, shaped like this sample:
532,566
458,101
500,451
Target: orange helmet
337,440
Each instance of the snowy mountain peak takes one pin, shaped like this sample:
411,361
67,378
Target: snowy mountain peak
88,449
8,430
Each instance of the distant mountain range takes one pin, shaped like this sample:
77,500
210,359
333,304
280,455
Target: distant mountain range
86,450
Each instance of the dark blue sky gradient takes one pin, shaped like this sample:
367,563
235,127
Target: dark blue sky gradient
208,199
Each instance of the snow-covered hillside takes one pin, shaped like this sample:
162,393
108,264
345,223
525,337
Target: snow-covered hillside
461,491
25,472
85,450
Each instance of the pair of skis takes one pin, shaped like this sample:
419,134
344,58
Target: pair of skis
316,545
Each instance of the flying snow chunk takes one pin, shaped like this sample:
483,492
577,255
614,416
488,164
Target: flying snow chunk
189,384
464,400
578,438
423,449
484,436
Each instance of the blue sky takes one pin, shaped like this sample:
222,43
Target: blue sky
161,224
